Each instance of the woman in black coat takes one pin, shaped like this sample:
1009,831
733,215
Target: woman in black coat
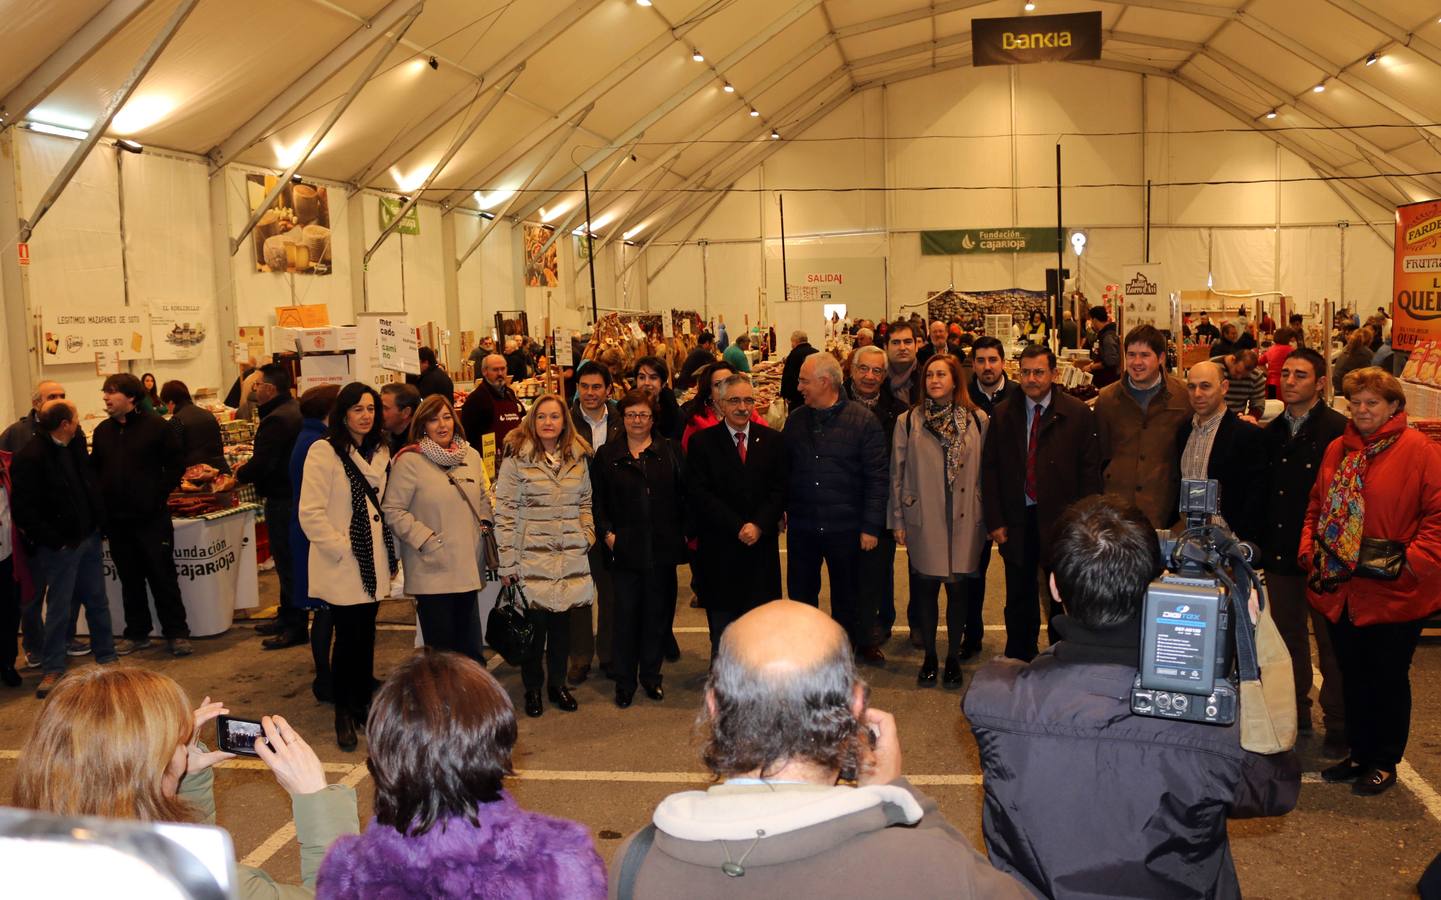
637,499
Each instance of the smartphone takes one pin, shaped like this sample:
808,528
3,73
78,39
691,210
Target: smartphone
238,735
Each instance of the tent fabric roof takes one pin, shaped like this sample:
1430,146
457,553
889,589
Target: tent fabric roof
602,81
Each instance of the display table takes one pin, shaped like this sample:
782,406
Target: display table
215,563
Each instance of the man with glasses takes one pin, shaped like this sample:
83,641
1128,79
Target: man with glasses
736,477
869,373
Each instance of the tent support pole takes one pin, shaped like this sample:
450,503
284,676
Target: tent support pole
1060,250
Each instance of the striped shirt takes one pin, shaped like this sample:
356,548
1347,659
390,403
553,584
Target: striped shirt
1246,394
1196,457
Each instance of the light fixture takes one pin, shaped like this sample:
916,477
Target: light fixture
697,56
754,113
642,2
491,215
1271,114
1371,60
730,88
434,63
130,146
775,135
57,130
1030,7
296,179
1320,88
403,199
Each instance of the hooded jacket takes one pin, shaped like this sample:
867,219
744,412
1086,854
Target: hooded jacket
801,840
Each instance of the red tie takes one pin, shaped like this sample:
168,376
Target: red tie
1031,454
741,445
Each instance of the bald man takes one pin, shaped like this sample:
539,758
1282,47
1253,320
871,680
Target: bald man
785,715
492,408
20,433
1217,443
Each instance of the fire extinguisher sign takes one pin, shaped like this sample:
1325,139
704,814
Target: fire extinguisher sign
23,250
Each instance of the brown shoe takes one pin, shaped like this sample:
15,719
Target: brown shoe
47,684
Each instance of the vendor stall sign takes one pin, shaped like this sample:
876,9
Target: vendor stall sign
389,206
77,335
960,242
1031,39
177,330
1143,300
1416,282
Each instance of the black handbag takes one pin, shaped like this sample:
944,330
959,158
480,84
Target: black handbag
508,629
1380,559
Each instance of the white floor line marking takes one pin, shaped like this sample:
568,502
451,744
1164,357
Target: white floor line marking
650,777
1408,776
286,833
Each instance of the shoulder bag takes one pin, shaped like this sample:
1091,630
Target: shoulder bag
1380,559
1268,704
489,548
508,629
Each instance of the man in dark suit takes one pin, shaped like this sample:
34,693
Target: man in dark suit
989,388
791,371
597,419
737,499
1042,453
1215,443
867,386
1295,442
197,427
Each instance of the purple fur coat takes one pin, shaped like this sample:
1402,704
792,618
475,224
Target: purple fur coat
512,855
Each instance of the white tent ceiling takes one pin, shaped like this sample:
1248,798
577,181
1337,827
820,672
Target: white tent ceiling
603,80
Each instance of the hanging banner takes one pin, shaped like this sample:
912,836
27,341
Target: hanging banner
176,331
1032,39
293,234
1416,293
389,206
1144,301
960,242
399,346
853,282
81,336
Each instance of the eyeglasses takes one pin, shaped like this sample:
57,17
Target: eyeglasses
741,401
638,416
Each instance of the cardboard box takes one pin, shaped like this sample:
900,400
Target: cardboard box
333,339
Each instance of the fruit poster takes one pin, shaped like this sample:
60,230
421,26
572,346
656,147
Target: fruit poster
293,234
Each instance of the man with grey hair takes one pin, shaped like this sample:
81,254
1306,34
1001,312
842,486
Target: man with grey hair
839,480
790,373
869,377
20,433
492,408
785,719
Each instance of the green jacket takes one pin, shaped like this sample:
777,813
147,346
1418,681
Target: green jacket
320,818
737,357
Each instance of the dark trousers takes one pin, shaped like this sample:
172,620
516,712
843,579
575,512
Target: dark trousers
878,585
841,552
278,515
719,620
1292,615
450,622
1022,555
144,555
926,604
74,577
1376,681
553,640
976,603
641,599
322,633
591,631
9,613
353,661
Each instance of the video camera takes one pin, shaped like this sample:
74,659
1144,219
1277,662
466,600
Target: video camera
1195,616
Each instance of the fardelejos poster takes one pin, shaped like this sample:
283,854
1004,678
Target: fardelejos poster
293,234
1416,291
541,269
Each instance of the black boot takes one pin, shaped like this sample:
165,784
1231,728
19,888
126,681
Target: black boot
9,677
533,705
562,698
952,677
345,729
927,676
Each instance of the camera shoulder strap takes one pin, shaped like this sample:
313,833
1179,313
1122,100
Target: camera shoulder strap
1247,666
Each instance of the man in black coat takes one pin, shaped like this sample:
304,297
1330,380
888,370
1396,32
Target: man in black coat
1215,443
1042,453
597,419
791,371
492,408
136,455
269,470
197,428
839,479
433,379
868,387
1296,441
1040,725
56,504
737,503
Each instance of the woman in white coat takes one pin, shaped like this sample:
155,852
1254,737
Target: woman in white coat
437,501
352,557
544,528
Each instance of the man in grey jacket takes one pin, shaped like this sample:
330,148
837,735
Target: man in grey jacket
786,715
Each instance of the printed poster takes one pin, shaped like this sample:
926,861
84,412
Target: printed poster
293,235
541,269
176,330
1416,283
83,336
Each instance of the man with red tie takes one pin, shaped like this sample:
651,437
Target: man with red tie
736,476
1042,453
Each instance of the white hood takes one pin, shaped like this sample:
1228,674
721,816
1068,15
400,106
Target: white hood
733,813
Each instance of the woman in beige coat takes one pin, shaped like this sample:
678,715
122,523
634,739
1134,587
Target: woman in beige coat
437,501
544,527
935,506
352,557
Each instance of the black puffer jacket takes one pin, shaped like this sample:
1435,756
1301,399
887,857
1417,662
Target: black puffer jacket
840,469
137,460
52,507
641,501
1059,746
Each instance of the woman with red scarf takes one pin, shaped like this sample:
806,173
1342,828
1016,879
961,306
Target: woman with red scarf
1371,546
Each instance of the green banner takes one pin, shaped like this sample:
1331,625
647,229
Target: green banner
988,240
389,206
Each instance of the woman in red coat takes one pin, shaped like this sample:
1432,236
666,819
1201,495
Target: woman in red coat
1379,489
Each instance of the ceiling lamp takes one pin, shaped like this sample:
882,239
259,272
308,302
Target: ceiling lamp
754,113
1271,114
730,88
1320,88
130,146
697,56
296,179
57,130
1030,7
642,2
775,135
1372,59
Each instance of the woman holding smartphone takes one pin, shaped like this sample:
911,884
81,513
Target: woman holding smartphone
437,501
352,558
544,528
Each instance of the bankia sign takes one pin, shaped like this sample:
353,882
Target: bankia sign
1031,39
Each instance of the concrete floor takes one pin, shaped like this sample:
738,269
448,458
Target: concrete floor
575,765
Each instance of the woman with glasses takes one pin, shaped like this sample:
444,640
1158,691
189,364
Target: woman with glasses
638,501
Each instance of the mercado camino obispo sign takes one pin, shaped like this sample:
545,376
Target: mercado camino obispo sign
956,242
1031,39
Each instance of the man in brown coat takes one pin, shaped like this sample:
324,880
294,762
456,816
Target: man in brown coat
1043,453
1141,417
778,824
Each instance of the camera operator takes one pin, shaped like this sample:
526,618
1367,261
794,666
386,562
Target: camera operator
1064,721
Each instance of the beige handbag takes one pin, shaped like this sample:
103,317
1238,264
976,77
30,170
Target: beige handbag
1268,686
